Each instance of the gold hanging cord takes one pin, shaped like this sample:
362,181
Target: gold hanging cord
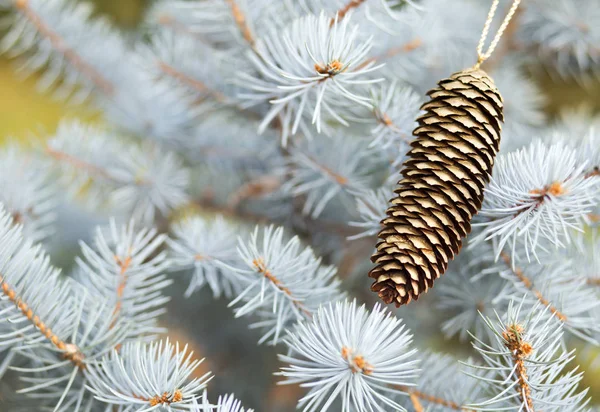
486,28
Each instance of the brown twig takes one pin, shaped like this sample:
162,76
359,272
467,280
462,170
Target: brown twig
594,172
330,69
70,351
520,351
554,189
405,48
169,21
258,187
385,120
341,13
394,51
124,265
191,82
207,204
240,20
593,281
259,265
529,285
62,47
416,402
417,396
341,180
77,163
89,167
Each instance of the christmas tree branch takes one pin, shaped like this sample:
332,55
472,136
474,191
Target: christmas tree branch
127,268
341,13
78,163
258,187
520,351
416,396
394,51
284,282
128,378
339,179
384,119
70,351
242,23
543,202
167,20
595,172
556,188
525,364
518,272
259,265
142,179
63,48
191,82
208,204
30,193
124,264
593,281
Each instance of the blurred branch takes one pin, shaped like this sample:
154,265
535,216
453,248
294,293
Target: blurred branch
341,13
240,20
518,272
208,204
62,47
191,82
416,396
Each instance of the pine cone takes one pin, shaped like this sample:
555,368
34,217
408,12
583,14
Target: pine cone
442,187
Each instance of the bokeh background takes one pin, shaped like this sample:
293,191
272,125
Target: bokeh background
27,115
24,112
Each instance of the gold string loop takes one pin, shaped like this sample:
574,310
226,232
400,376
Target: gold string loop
481,56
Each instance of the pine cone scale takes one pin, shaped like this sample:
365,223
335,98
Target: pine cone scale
448,165
439,254
479,137
461,101
435,183
445,155
434,201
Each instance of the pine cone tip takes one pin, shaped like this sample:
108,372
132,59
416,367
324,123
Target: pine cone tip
392,289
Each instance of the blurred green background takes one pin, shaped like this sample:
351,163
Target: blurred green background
24,112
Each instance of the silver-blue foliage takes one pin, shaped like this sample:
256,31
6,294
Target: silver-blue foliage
129,178
296,113
283,282
538,194
203,247
144,377
363,357
529,365
28,192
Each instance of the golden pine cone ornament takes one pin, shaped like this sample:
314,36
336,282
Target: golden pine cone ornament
442,187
